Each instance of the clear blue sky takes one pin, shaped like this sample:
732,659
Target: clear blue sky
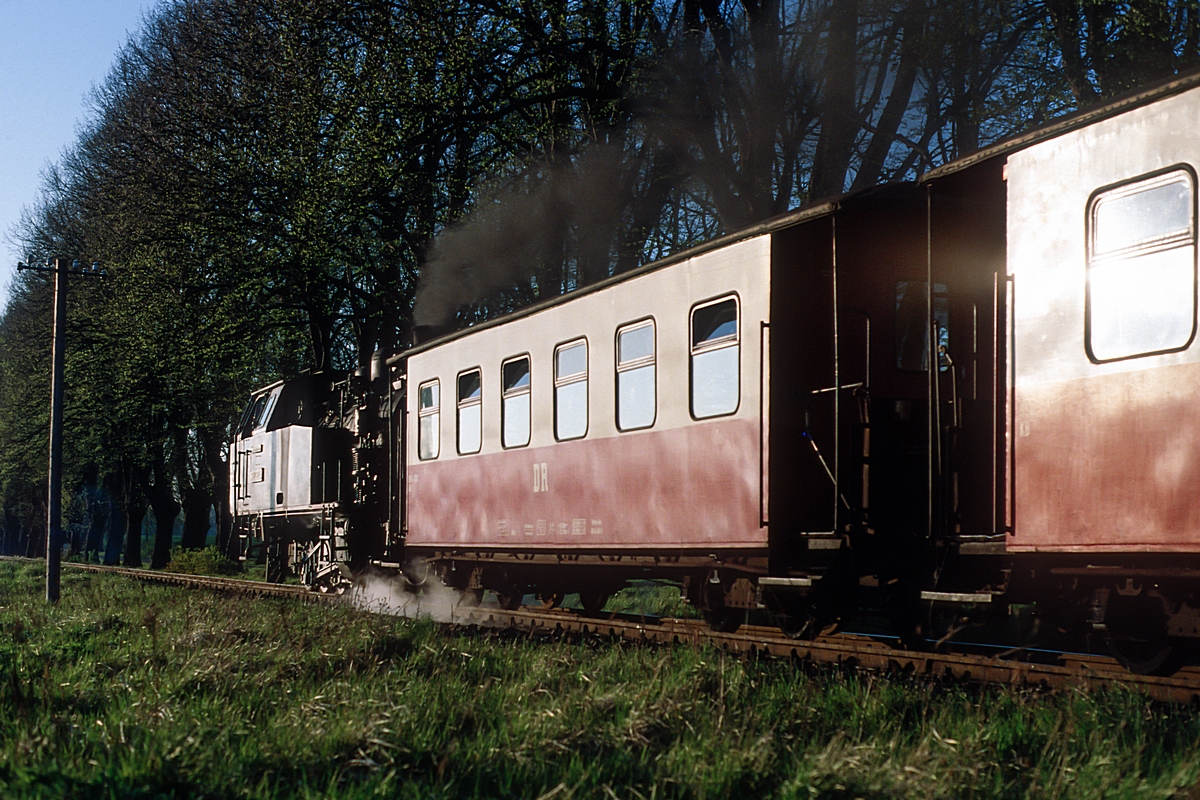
51,54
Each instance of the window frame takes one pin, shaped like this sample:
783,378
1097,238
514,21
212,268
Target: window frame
638,363
270,400
507,393
435,409
1190,238
573,379
707,347
460,404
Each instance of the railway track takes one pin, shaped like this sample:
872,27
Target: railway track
844,650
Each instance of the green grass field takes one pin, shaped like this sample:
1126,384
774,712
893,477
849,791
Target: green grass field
132,690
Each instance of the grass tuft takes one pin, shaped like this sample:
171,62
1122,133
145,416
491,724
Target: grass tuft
208,561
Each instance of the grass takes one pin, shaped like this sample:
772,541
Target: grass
133,690
209,561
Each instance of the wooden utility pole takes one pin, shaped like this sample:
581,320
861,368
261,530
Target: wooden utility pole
54,536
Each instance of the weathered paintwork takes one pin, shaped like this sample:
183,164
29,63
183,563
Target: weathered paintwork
684,487
1105,456
682,483
1113,462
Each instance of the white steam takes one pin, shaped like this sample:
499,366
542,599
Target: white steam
392,595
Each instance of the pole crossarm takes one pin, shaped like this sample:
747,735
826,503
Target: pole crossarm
50,266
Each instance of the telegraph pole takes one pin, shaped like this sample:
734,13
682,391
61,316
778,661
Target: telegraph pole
54,509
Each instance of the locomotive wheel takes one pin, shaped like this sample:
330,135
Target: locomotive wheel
719,617
1136,635
723,620
550,600
510,598
797,618
276,563
593,600
332,586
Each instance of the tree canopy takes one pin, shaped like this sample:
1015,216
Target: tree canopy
277,186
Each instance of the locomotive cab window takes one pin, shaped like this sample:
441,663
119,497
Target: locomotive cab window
715,359
514,409
636,391
1141,274
429,429
571,390
470,412
267,409
250,417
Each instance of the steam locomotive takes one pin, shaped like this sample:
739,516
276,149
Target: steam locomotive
968,394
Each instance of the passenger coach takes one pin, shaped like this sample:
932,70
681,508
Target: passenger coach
635,428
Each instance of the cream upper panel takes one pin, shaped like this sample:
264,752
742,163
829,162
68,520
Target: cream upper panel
1049,186
667,295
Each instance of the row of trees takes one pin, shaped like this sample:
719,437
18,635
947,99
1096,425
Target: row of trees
277,185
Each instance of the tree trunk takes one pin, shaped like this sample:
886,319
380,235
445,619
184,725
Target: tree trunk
99,516
197,505
135,513
166,509
116,530
12,531
218,471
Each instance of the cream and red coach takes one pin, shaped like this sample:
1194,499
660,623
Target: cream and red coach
690,420
1101,474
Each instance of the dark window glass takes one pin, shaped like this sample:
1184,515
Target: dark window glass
515,408
912,338
714,322
428,420
516,374
470,412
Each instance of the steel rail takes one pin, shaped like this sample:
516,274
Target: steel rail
227,585
860,652
848,651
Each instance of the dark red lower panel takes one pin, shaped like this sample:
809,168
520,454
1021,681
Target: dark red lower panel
696,486
1109,463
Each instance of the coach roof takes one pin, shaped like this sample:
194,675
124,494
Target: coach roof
812,211
1079,119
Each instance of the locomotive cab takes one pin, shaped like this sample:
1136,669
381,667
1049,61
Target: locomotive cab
290,480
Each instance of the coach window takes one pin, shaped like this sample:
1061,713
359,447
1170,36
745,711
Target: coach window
636,401
1141,289
912,325
571,390
429,428
514,411
470,412
716,384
